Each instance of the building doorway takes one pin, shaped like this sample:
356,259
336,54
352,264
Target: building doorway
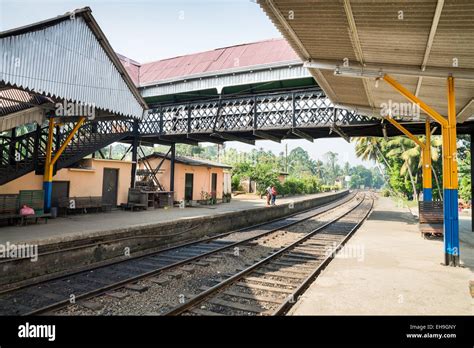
214,185
60,190
188,187
110,186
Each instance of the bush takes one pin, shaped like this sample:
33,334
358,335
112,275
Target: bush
328,188
235,182
306,185
386,193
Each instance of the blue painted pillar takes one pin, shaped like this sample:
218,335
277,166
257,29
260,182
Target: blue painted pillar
451,227
450,183
427,194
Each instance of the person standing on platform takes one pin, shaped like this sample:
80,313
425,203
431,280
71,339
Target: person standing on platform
274,194
269,194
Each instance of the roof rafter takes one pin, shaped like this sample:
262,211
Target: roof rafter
357,46
429,43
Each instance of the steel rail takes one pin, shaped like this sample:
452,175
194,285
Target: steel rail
343,200
289,302
214,289
61,304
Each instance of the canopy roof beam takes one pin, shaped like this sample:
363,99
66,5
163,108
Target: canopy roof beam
379,70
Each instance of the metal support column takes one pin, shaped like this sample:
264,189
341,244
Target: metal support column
426,162
450,174
450,182
173,156
135,143
48,168
50,161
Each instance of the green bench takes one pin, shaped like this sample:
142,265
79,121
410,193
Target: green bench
35,200
9,208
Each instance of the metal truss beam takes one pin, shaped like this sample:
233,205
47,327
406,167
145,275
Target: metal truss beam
204,139
302,134
266,136
341,133
232,137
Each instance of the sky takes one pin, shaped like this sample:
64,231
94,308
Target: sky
148,30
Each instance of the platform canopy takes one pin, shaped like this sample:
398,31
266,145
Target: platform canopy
347,44
66,58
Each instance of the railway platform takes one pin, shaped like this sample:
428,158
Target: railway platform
387,268
81,226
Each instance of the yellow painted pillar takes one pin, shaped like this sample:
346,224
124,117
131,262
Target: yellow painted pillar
426,162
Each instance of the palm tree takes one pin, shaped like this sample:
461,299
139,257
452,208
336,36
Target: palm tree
409,152
369,148
414,156
319,170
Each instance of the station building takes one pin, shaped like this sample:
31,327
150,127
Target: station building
109,179
195,180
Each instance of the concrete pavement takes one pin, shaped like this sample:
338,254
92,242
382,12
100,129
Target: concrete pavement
399,272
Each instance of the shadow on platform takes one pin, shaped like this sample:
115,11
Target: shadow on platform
383,215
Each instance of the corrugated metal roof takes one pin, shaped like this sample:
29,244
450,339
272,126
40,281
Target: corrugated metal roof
68,57
323,30
14,100
189,160
268,53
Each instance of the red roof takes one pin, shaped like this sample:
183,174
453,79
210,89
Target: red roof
233,57
132,67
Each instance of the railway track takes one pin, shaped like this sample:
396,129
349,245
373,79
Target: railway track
271,286
56,293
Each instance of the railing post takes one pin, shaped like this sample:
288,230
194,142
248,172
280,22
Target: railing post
189,118
255,117
135,141
219,105
12,147
293,99
173,156
37,145
160,125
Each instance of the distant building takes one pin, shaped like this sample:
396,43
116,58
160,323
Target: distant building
339,182
194,179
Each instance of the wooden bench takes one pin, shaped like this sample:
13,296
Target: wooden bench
133,206
9,208
431,218
137,200
34,199
431,212
431,230
81,204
